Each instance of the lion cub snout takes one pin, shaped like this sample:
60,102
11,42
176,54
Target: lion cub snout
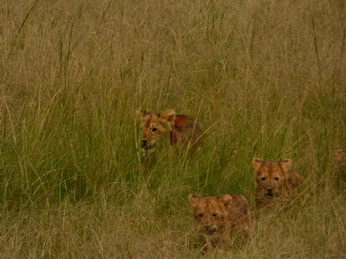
145,144
210,229
270,193
209,222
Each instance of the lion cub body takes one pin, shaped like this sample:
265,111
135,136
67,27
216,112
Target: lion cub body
221,219
275,181
176,130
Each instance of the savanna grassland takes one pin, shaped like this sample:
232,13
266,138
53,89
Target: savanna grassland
264,78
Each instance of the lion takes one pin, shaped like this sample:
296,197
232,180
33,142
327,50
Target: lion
221,219
275,181
175,130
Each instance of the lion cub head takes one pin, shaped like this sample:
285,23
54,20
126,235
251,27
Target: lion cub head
155,127
210,213
274,180
219,218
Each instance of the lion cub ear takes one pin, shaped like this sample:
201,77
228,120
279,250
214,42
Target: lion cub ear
141,113
193,199
286,164
168,115
257,163
226,199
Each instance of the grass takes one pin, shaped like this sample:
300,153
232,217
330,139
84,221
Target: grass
264,78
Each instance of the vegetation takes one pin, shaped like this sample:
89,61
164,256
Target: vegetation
264,78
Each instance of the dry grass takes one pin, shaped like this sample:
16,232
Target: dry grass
264,78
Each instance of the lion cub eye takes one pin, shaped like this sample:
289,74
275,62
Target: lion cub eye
153,130
200,215
276,179
214,215
263,178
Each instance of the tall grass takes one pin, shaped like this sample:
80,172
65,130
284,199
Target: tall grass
264,78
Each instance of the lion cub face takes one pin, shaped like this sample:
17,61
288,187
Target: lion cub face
219,218
271,179
155,127
210,213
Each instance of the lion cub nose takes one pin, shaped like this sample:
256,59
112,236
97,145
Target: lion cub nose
270,193
144,143
210,229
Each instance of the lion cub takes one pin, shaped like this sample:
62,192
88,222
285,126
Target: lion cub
275,181
221,219
168,127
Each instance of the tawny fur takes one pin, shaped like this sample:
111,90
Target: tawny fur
275,181
340,157
221,219
176,130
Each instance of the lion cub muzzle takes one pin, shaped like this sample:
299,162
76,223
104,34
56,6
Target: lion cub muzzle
269,193
210,230
145,145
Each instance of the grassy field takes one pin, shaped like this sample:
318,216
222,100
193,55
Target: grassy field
264,78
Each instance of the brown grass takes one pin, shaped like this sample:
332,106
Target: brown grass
264,78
